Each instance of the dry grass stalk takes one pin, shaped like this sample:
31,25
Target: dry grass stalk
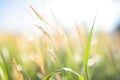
59,29
43,30
37,14
56,21
81,35
47,36
64,37
47,43
51,53
38,61
41,17
20,76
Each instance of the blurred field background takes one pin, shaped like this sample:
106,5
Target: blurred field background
40,37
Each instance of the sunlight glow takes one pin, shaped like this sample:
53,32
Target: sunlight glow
69,11
17,14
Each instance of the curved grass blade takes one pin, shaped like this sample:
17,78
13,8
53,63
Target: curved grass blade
87,51
61,71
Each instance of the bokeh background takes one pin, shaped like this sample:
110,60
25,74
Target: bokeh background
38,37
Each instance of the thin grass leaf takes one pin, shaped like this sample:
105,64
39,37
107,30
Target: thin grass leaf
3,72
3,68
49,77
87,51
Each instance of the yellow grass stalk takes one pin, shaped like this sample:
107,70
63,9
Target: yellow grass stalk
51,53
60,30
38,59
49,38
20,76
43,31
46,43
39,16
62,33
81,35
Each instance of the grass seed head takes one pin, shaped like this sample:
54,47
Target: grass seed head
20,76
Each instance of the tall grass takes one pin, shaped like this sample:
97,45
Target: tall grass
87,51
58,55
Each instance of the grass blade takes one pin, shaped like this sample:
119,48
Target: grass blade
87,51
61,71
3,72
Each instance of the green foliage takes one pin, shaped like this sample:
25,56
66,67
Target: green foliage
87,51
61,71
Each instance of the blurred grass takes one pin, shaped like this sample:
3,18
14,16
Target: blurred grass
43,56
63,70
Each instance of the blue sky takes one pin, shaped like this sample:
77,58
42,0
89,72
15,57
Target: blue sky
10,10
15,15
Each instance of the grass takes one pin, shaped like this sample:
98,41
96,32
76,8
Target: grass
87,51
63,70
4,74
59,55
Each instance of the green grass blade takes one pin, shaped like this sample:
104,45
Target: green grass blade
3,72
61,71
87,51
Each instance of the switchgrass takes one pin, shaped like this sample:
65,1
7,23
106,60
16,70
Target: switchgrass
59,55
